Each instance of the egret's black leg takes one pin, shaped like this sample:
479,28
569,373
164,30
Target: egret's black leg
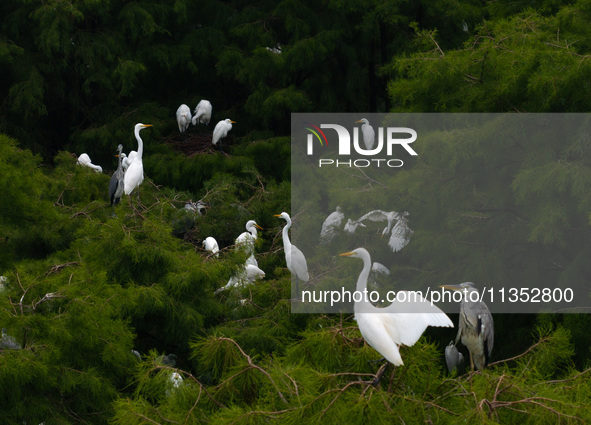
380,373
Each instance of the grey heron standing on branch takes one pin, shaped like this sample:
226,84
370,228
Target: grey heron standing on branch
475,328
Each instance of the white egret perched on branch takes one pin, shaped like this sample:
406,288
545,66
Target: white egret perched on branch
221,130
246,276
211,245
246,240
369,135
476,328
202,112
134,176
294,258
116,184
183,117
84,159
401,323
331,225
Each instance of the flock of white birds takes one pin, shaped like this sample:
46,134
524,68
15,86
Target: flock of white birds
384,328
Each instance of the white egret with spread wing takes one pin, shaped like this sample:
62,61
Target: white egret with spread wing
401,323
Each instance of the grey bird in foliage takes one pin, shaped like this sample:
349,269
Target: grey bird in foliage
476,328
453,358
116,184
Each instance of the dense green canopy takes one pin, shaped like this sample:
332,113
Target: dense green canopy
84,288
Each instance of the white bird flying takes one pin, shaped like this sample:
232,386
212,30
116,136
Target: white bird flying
202,112
369,135
331,225
397,223
400,323
351,225
211,245
183,117
84,159
246,240
294,258
116,183
134,176
221,130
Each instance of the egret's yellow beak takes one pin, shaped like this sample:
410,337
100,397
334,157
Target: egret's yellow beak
147,125
346,254
358,121
276,215
452,287
258,226
233,121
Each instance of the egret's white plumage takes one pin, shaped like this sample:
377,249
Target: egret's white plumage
352,225
331,225
183,117
126,160
369,135
211,245
221,130
294,258
400,323
246,276
246,240
84,159
134,176
202,112
397,224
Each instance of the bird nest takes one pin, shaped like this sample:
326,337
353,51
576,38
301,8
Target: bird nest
192,142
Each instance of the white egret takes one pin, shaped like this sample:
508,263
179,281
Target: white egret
401,323
294,258
198,207
202,112
211,245
369,135
246,276
331,225
183,117
397,224
134,176
476,328
221,130
351,225
175,380
246,240
126,160
116,183
84,159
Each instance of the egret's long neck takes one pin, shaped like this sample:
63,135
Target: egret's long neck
286,242
362,284
140,144
253,231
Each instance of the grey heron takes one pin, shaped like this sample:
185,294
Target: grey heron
116,183
475,328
